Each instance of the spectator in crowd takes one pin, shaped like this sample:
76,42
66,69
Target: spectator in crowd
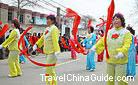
39,35
60,43
101,55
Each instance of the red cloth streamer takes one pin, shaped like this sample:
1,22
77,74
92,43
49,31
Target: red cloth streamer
101,24
25,50
64,43
78,48
77,18
108,25
39,50
89,23
4,30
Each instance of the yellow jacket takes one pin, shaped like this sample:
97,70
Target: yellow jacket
121,44
12,41
50,40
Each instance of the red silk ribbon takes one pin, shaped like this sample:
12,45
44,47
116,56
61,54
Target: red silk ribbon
24,51
77,18
108,25
4,30
89,23
101,24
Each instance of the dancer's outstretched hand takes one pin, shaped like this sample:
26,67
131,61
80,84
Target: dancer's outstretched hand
57,53
90,42
34,47
1,47
30,48
119,55
93,48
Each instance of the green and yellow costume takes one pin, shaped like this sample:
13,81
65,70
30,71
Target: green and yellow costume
51,46
116,66
13,60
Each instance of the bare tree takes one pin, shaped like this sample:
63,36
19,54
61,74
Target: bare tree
23,3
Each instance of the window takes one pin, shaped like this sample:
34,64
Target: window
9,16
33,20
21,18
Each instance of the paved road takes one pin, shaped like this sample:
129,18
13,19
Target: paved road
66,68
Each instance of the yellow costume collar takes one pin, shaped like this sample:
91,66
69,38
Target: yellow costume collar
119,28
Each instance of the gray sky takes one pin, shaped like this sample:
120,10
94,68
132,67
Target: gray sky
95,8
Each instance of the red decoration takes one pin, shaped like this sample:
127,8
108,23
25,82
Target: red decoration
16,19
34,40
108,25
115,36
77,18
101,24
63,43
89,23
46,31
24,51
39,50
4,30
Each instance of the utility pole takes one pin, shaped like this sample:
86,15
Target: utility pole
18,12
58,18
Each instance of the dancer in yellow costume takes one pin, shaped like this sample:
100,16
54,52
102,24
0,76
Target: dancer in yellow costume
119,40
12,43
51,48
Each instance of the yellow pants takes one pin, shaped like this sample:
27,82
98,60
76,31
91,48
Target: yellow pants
50,71
13,62
118,72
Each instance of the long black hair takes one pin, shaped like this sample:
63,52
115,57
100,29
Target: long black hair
91,29
132,31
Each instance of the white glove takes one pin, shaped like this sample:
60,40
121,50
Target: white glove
90,42
34,47
1,47
119,55
93,48
83,44
56,53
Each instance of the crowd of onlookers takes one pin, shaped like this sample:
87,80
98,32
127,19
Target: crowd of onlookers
33,38
64,42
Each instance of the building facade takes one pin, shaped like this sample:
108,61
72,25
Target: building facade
38,20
